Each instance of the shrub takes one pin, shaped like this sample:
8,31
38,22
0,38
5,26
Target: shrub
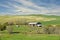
50,29
9,29
57,30
1,27
21,22
40,30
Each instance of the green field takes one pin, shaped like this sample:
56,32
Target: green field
44,19
24,31
29,37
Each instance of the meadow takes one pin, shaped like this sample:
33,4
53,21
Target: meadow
23,32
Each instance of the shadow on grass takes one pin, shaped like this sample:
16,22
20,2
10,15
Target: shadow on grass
15,32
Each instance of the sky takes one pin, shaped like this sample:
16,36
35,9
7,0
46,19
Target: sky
23,7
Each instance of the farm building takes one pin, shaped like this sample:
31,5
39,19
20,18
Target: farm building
38,24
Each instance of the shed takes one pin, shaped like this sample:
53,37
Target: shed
38,24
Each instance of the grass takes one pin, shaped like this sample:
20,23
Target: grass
29,18
28,36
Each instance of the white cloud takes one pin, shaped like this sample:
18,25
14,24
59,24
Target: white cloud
41,9
30,4
23,9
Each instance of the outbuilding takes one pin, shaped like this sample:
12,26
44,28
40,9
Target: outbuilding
38,24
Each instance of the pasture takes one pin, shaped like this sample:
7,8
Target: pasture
25,32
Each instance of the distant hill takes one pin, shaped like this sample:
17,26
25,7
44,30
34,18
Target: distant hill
45,19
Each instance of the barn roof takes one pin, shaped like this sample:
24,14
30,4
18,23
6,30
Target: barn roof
34,23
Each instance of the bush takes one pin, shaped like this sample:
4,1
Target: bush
49,29
21,22
52,29
9,29
40,30
57,30
1,27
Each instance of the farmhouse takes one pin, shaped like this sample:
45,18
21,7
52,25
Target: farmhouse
38,24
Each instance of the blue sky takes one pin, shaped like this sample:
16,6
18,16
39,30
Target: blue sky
19,7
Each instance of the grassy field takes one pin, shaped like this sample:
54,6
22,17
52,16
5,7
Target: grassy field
23,30
44,19
29,37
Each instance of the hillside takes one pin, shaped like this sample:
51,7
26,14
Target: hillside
44,19
26,32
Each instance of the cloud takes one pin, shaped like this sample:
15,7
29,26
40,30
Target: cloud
18,8
28,7
41,9
27,4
